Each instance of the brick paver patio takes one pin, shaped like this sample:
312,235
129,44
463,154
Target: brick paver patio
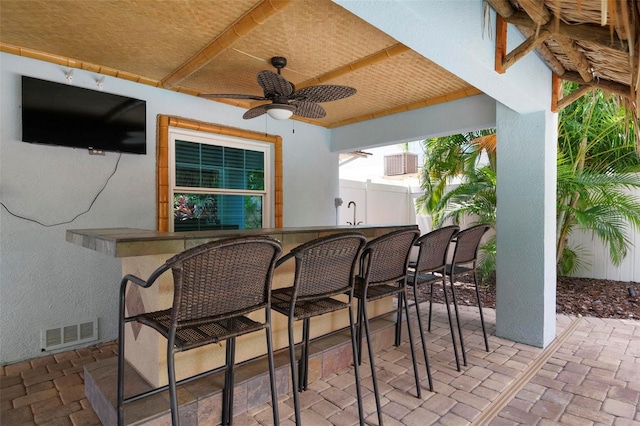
589,375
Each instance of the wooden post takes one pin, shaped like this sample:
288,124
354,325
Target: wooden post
501,43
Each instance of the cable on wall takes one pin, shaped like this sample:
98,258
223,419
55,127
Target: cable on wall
115,169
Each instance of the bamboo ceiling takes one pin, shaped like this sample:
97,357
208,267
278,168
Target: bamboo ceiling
219,46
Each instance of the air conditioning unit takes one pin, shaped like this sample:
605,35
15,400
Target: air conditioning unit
400,164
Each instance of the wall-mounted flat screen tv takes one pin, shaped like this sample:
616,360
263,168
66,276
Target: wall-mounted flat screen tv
61,114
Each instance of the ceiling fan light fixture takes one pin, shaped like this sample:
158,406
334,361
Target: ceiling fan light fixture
280,111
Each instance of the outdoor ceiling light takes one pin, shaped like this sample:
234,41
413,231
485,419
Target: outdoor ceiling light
280,111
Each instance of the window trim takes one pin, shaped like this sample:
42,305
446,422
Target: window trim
162,162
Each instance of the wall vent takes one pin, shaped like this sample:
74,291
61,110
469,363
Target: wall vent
69,335
400,164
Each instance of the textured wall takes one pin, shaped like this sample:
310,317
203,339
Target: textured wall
525,270
46,282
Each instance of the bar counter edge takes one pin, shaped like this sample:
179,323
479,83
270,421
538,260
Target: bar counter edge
128,242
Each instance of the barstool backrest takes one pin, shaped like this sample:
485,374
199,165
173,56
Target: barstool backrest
325,267
385,259
434,247
223,278
467,244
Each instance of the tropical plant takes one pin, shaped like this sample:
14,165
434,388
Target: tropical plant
597,158
597,162
468,159
449,160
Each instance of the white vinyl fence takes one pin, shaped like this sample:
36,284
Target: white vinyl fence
375,204
394,204
595,255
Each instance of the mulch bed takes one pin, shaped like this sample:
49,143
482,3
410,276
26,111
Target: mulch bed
575,296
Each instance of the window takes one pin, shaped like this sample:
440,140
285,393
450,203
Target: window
214,178
219,182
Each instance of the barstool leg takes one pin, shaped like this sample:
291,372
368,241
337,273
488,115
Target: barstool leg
294,373
484,330
453,334
356,367
303,365
403,296
121,338
430,306
365,319
455,307
359,330
399,322
173,397
121,374
272,370
227,390
422,338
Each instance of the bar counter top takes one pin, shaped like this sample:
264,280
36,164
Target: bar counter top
128,242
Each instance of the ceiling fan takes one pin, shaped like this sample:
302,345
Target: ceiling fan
285,100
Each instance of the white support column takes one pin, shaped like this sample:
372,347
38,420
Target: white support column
526,235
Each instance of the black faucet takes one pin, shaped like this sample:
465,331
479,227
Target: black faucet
354,213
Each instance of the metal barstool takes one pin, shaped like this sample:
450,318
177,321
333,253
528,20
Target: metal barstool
215,286
383,273
429,268
464,261
324,278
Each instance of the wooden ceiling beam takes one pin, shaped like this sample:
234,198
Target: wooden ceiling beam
574,96
605,85
247,23
382,55
547,56
521,51
537,11
576,57
502,7
585,32
505,10
501,44
556,92
541,16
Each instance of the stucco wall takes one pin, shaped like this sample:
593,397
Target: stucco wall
46,282
462,115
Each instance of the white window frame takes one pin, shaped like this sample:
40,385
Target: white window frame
207,138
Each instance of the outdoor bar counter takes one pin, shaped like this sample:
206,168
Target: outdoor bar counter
142,251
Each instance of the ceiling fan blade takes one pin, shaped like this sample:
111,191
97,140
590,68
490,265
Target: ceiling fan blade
232,96
308,109
323,93
255,112
273,83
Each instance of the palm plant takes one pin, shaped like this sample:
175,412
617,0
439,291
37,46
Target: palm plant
450,158
469,158
597,158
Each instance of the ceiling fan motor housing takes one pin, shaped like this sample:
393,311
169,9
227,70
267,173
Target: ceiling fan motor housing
279,62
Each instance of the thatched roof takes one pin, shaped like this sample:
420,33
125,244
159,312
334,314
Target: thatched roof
591,42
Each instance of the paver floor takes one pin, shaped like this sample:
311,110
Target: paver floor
589,375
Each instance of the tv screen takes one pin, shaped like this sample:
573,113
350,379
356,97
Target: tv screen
61,114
